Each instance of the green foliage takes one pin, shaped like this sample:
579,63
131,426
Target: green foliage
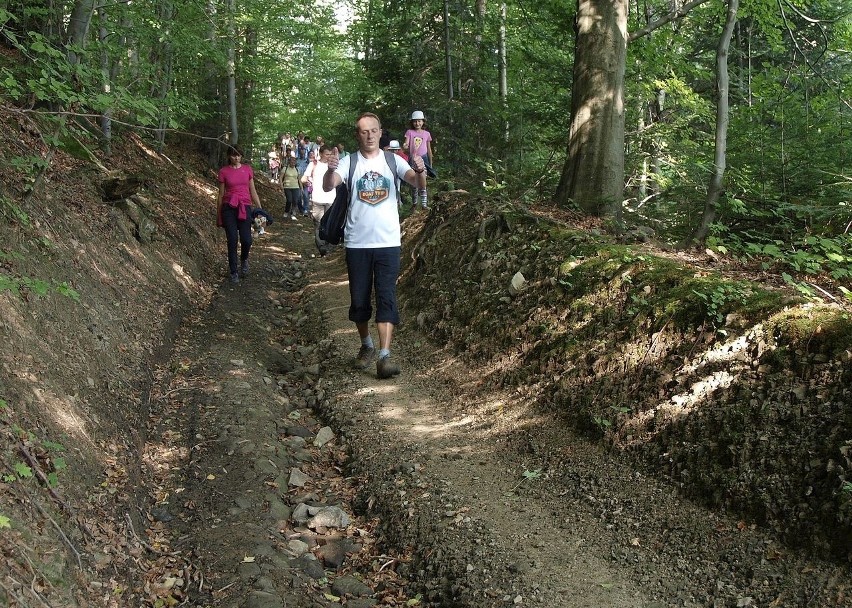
528,475
11,211
786,180
809,254
787,173
69,292
37,287
493,183
531,475
50,451
719,298
5,522
602,423
23,471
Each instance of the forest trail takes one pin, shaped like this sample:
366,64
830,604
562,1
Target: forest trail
298,481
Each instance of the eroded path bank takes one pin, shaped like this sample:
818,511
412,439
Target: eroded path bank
285,478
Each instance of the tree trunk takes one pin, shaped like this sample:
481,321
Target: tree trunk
78,28
368,37
593,176
213,128
245,98
448,50
232,75
106,84
166,61
503,66
722,86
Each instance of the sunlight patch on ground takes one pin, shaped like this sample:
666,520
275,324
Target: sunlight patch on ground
419,419
180,275
202,187
342,331
737,351
239,372
64,412
380,389
681,404
150,151
702,389
442,428
276,250
341,283
734,349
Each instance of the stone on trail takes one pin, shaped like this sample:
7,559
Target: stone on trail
297,478
351,586
324,435
301,513
262,599
297,547
329,517
310,566
333,553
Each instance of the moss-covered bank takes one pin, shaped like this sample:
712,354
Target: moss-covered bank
737,391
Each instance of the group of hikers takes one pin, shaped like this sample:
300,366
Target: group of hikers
372,242
293,162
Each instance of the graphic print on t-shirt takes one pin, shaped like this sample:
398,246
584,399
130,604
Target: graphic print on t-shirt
373,188
418,141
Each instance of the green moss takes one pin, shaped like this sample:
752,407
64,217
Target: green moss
812,329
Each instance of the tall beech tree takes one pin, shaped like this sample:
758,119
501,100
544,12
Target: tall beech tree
593,175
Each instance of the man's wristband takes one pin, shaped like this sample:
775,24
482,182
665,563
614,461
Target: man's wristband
420,170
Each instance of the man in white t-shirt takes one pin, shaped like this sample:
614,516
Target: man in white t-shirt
320,199
372,236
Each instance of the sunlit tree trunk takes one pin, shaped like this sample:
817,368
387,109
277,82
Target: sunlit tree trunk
722,120
232,74
593,176
503,65
643,176
658,147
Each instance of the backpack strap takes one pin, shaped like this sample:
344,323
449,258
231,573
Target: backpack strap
390,159
353,161
352,164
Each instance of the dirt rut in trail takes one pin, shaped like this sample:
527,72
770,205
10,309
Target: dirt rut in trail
452,496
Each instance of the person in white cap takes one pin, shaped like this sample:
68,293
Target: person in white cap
394,147
418,142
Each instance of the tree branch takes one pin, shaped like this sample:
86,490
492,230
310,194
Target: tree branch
681,12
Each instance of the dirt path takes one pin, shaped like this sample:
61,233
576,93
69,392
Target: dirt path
449,496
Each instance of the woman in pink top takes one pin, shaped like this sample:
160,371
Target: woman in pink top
236,195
